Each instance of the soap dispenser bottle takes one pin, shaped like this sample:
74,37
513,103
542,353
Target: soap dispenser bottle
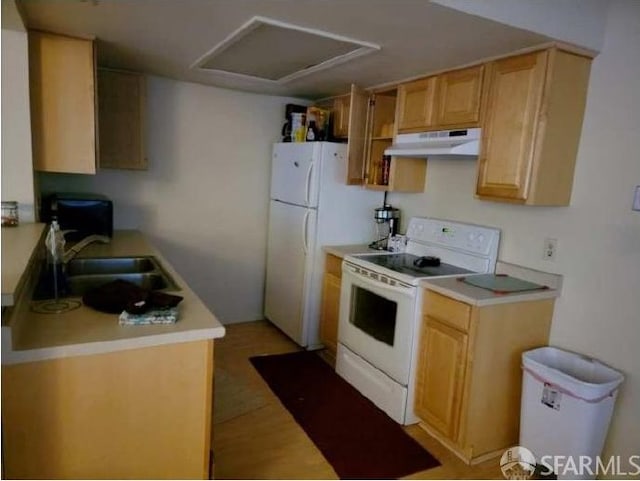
55,258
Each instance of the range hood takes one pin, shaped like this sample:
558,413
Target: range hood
458,143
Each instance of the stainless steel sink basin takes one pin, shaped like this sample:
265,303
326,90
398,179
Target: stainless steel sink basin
79,284
87,273
111,265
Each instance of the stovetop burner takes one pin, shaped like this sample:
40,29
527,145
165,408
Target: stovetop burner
404,263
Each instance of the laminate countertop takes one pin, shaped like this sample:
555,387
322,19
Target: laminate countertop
29,336
18,248
477,296
348,250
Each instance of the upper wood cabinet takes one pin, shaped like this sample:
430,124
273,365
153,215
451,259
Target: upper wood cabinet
415,104
340,116
356,150
458,98
531,127
402,174
63,103
370,130
121,107
469,380
449,100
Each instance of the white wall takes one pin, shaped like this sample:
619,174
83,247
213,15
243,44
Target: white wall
17,173
580,22
598,234
204,199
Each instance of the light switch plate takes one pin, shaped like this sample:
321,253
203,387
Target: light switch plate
636,199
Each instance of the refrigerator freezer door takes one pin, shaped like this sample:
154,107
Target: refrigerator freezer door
295,174
289,256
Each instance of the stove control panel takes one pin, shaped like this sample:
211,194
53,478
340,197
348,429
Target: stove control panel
471,238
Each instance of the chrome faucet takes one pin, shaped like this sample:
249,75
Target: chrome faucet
73,251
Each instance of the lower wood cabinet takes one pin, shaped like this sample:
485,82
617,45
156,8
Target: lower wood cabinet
330,312
469,378
135,414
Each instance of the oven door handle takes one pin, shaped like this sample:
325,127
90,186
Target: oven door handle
408,291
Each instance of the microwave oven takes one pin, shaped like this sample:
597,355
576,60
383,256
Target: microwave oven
82,214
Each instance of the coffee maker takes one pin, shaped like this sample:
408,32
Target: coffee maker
287,127
387,220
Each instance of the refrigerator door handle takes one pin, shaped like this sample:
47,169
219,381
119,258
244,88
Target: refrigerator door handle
305,226
308,184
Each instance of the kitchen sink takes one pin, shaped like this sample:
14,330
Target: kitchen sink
84,274
111,265
79,284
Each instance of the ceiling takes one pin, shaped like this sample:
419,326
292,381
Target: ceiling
169,37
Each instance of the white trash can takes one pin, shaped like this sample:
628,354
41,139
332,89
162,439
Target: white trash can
567,403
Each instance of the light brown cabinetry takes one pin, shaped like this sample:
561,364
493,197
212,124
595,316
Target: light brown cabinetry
330,311
415,104
121,107
468,381
531,127
449,100
458,98
371,128
63,103
340,113
133,414
402,174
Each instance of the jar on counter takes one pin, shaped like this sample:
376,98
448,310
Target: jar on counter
9,214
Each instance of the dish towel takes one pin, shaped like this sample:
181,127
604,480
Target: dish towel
154,316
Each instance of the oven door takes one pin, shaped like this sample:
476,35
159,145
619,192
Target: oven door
377,320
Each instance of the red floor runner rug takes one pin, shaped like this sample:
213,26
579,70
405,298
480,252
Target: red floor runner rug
357,439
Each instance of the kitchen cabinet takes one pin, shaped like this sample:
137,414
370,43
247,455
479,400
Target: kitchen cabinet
531,127
330,311
468,381
340,112
415,105
121,108
134,414
348,122
358,103
371,127
404,174
446,101
458,98
63,103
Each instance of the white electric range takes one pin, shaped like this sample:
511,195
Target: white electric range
381,303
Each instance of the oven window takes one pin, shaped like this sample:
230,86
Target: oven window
373,314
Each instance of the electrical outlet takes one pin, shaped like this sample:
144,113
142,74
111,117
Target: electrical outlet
549,252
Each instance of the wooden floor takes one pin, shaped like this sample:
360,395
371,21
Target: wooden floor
255,437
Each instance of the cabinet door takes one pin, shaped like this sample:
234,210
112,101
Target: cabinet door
459,97
357,135
515,88
121,103
63,103
440,377
341,116
330,312
415,105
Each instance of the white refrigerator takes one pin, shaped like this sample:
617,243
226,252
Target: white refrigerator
310,206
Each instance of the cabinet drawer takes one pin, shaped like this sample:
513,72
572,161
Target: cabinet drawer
333,265
454,313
